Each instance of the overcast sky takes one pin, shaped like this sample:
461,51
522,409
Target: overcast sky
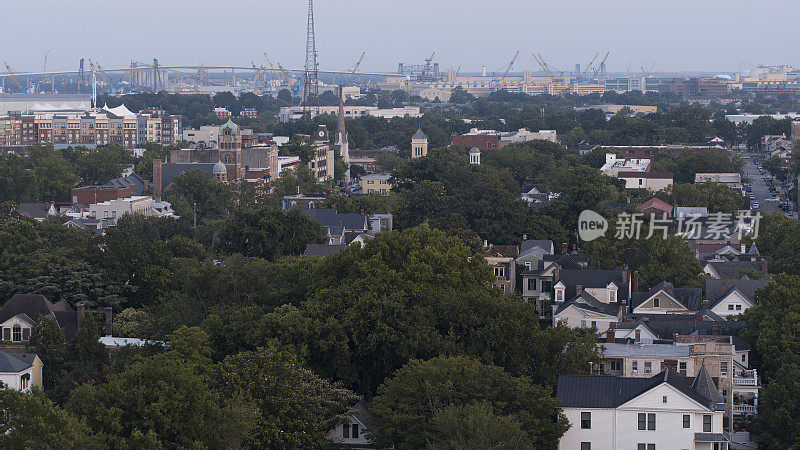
675,35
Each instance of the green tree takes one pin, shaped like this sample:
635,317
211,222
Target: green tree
267,233
296,407
476,425
31,420
47,340
406,404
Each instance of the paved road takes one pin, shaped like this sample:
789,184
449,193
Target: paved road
760,190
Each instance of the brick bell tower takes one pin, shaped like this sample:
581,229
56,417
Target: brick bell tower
230,149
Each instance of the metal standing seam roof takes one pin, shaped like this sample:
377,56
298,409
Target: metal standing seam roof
606,391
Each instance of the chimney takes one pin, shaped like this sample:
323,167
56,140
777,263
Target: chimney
564,247
574,247
340,223
623,311
109,316
723,287
578,289
705,304
699,317
610,335
638,338
157,180
81,312
524,237
555,275
635,281
763,266
715,330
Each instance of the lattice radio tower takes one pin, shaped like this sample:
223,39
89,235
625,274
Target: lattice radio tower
310,79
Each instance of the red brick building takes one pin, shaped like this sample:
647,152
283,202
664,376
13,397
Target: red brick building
482,141
89,195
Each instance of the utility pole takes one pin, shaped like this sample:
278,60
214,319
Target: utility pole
310,79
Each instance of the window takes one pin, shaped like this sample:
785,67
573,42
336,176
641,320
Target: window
645,446
616,364
346,431
707,423
586,420
738,307
612,296
531,284
687,421
730,307
354,434
527,265
724,394
642,425
648,367
723,368
635,366
583,323
25,381
586,446
17,333
656,302
651,446
594,324
664,399
682,368
651,421
744,357
559,295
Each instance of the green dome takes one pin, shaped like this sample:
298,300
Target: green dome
219,168
229,124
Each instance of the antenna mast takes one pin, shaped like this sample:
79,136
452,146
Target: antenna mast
310,79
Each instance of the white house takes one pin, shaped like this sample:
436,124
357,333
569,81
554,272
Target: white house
350,434
730,297
20,371
665,411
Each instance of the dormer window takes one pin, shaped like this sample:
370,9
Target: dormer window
16,333
612,296
559,294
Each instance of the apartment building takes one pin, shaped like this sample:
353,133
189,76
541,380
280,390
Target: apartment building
84,127
376,183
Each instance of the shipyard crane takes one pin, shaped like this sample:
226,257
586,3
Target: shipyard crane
506,69
355,68
13,77
428,62
257,79
543,65
587,68
646,72
600,71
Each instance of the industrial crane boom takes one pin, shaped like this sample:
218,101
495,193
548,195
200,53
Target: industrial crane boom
13,77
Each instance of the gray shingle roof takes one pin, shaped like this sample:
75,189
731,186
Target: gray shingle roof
329,218
323,250
748,287
589,303
704,385
545,245
683,325
419,134
33,210
37,305
735,269
13,363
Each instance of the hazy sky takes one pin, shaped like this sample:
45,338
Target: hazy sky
676,35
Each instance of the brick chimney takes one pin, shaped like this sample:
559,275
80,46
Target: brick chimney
699,317
81,311
610,336
157,187
109,316
715,330
723,287
638,338
635,281
705,303
578,289
763,266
